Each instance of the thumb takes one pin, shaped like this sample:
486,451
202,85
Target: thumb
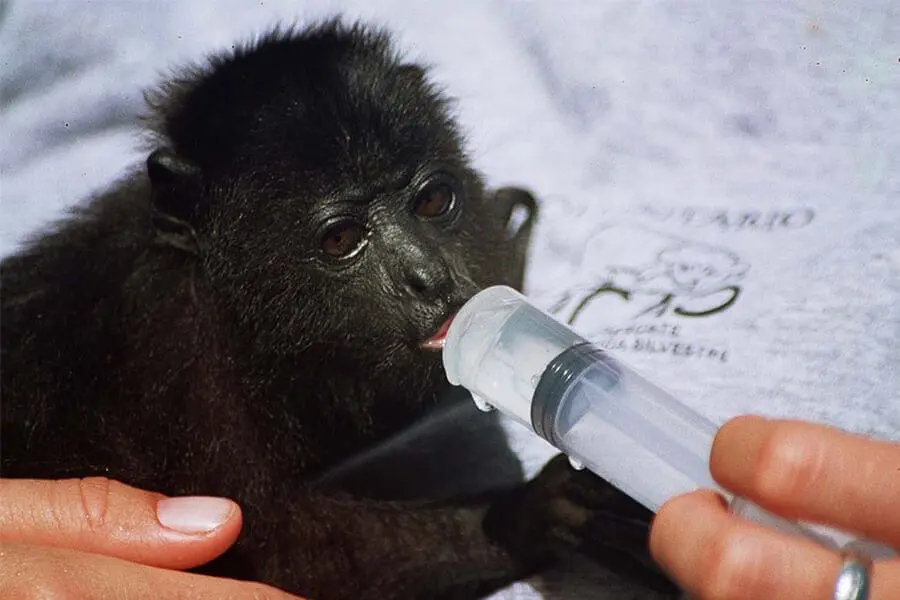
107,517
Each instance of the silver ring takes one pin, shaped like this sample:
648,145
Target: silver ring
854,579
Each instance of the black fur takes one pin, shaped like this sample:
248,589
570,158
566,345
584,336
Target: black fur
183,332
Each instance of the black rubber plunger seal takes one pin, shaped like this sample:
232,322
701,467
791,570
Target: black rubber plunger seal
557,378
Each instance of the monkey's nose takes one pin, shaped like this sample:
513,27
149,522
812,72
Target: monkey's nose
428,279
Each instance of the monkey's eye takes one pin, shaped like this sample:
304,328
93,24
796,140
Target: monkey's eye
343,239
434,201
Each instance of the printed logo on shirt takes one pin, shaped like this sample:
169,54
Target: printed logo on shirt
664,276
640,286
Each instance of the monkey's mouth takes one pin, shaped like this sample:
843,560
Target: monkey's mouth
436,342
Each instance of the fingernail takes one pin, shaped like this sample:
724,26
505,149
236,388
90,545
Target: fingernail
194,514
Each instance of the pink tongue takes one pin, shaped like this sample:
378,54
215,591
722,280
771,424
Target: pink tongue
442,332
438,339
440,336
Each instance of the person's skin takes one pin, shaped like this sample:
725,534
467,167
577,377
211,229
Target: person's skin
95,538
797,470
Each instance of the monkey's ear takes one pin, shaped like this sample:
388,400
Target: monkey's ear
174,182
517,208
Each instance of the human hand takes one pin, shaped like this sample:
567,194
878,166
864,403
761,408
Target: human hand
797,470
95,538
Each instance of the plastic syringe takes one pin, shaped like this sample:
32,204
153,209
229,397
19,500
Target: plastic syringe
604,415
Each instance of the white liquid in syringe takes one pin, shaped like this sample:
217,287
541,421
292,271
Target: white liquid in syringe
620,430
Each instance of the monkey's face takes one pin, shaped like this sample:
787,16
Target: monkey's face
361,270
335,214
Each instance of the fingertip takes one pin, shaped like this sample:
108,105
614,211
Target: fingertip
730,460
741,422
738,426
193,515
195,530
668,529
679,507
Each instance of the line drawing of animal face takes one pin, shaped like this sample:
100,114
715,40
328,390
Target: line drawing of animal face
698,270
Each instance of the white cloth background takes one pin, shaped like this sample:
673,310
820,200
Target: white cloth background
736,158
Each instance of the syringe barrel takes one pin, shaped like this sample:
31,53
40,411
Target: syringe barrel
598,411
624,428
592,407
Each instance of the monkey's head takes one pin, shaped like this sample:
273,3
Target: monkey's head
323,190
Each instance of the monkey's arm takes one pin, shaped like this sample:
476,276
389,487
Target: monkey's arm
332,545
337,547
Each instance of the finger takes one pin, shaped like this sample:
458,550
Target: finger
107,517
33,572
812,472
713,554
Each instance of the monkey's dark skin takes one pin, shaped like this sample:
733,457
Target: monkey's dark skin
244,314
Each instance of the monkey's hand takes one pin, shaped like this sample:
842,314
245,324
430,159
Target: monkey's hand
563,510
